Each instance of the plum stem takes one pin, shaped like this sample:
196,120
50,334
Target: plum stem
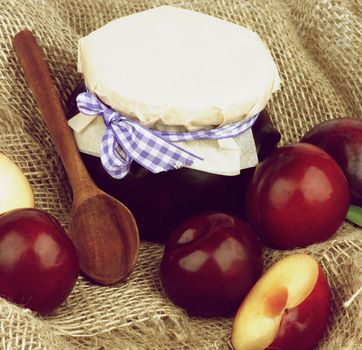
354,214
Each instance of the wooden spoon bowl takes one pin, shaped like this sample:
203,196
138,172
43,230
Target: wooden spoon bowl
103,229
110,258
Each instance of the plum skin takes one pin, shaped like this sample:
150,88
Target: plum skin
38,261
298,196
341,138
210,263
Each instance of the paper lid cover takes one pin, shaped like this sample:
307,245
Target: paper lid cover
173,68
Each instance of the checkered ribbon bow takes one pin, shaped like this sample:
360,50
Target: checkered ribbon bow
126,140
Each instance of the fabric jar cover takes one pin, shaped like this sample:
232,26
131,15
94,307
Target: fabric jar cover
176,70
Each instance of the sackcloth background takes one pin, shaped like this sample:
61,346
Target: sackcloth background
318,48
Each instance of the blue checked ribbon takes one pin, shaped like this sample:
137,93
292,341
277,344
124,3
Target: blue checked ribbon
126,140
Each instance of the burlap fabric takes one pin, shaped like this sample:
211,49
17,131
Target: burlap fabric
317,46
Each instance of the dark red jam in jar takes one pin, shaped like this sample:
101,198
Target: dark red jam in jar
160,201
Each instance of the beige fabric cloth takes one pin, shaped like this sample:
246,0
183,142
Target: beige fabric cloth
317,46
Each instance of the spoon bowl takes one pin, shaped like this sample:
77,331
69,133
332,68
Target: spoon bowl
106,232
103,230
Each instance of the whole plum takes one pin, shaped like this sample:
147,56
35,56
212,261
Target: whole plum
298,196
210,263
38,262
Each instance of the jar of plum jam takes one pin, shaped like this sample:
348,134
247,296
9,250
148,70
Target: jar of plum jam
171,70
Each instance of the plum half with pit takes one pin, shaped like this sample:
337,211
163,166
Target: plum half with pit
341,138
288,308
298,196
210,263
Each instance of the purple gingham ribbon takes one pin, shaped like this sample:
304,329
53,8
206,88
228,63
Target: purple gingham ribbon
126,140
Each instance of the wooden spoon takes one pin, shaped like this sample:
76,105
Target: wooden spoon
103,229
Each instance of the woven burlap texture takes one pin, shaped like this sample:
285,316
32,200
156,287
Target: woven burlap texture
318,49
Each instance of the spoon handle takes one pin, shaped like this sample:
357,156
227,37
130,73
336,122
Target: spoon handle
38,77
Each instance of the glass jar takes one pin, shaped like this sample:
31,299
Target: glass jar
160,201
